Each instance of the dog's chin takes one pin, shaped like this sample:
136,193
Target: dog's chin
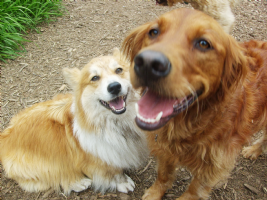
154,111
116,105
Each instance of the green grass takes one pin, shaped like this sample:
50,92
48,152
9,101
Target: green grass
18,17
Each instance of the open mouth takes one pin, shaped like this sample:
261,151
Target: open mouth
154,111
117,105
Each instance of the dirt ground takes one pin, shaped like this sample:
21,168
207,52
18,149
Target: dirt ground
90,29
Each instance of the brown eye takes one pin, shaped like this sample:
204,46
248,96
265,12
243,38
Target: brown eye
118,70
95,78
203,45
153,33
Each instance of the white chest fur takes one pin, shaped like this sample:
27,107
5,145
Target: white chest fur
119,142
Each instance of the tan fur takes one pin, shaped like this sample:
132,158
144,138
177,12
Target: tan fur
220,10
40,150
208,136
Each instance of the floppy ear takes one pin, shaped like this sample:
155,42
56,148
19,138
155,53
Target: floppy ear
235,65
133,43
72,76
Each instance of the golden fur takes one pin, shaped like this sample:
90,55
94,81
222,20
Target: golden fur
207,137
220,10
52,144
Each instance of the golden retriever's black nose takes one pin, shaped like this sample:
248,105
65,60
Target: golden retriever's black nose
151,65
114,88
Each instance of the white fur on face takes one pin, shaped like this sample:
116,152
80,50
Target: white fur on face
90,97
116,139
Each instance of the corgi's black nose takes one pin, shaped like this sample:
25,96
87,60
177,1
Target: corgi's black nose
151,65
114,88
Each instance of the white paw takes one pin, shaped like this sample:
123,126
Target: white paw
81,185
127,186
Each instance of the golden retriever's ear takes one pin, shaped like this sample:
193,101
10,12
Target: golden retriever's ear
133,43
72,76
235,66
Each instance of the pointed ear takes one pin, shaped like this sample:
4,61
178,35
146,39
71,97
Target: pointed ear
116,53
235,66
72,76
133,43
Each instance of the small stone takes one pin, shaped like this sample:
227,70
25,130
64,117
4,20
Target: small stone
62,87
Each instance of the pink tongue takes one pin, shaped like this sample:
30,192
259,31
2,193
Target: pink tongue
117,103
150,105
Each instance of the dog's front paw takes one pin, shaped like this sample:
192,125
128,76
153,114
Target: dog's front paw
81,185
126,186
252,152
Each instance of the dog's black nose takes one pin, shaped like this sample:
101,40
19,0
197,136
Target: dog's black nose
151,65
114,88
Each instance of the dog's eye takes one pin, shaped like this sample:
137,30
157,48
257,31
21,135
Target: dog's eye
153,33
95,78
118,70
203,45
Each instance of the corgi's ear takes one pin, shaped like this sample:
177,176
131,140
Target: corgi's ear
120,57
116,53
72,76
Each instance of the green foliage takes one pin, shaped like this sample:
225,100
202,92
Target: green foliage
18,17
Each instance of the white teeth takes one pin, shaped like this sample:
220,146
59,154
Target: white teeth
113,108
123,104
136,108
159,116
147,120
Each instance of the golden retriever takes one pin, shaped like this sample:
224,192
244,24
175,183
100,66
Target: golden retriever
80,140
204,96
220,10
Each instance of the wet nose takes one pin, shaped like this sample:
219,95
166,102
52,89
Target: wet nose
151,65
114,88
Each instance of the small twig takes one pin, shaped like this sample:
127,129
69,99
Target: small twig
252,189
225,185
103,37
234,194
137,178
25,65
63,195
5,104
146,167
38,195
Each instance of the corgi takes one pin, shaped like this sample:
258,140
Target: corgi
79,140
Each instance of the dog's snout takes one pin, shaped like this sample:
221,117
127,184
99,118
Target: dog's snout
151,65
114,88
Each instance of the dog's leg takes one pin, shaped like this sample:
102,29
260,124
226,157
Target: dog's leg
32,186
126,184
81,185
164,180
196,191
257,148
208,177
109,178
